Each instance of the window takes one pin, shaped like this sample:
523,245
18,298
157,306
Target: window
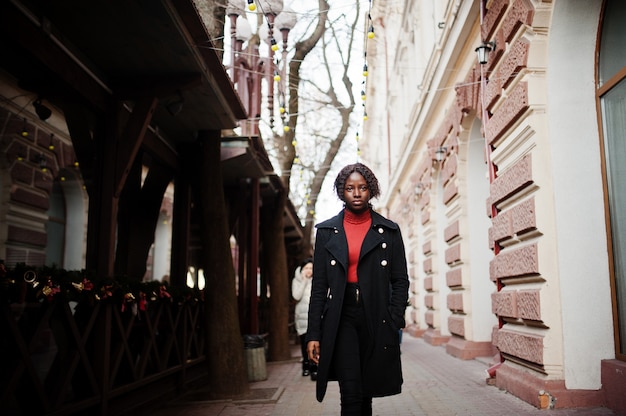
612,99
55,227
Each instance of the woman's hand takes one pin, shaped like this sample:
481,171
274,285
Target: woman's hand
313,349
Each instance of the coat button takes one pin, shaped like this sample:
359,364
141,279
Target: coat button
380,231
333,262
384,245
383,263
336,231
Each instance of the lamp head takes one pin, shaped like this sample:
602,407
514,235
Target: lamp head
484,50
440,153
42,111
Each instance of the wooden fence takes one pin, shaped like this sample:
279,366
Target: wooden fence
96,357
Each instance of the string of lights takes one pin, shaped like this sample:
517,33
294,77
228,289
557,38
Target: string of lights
369,36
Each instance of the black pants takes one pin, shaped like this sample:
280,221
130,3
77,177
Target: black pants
306,364
352,338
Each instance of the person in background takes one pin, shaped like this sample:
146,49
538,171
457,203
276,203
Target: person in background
301,292
358,297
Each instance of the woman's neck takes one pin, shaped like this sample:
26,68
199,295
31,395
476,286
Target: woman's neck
357,218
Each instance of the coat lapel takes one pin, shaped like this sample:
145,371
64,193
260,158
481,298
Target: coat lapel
337,246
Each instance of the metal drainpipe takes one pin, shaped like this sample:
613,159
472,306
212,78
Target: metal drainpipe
491,165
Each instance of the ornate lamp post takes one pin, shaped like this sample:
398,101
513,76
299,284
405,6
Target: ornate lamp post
284,22
249,69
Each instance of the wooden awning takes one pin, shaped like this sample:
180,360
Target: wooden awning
101,50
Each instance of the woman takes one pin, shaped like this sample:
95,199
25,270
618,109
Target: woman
301,292
358,297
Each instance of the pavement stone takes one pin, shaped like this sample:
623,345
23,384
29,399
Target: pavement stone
435,384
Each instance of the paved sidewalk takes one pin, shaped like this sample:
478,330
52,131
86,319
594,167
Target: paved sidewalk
435,384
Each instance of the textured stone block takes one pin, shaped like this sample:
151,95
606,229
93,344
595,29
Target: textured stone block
454,302
453,254
451,231
512,180
504,304
456,325
529,304
508,113
454,277
515,262
526,346
524,218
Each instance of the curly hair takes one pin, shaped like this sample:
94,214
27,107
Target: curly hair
370,178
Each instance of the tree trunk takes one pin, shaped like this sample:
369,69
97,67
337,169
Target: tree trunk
129,199
276,273
138,216
227,369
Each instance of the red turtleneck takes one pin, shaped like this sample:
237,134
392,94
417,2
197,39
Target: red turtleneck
356,226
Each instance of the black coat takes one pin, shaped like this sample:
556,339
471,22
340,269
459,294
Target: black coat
384,284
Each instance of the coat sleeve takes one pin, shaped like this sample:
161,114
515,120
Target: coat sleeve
399,282
319,287
297,285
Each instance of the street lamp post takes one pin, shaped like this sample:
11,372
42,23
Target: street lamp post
284,22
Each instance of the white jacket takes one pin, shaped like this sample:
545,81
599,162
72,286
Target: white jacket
301,292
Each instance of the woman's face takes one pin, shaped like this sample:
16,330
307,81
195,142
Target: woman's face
307,270
356,193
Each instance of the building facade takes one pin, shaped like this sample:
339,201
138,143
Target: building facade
504,175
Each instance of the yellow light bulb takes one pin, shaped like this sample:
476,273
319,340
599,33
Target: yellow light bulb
365,73
286,129
312,212
282,110
274,47
293,143
75,164
296,160
62,178
365,117
51,147
24,133
370,35
252,7
277,78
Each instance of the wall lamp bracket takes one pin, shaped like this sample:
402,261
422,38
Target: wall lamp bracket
440,153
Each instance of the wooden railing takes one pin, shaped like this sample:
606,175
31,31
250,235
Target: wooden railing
98,357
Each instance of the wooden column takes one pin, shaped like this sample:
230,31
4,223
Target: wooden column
253,255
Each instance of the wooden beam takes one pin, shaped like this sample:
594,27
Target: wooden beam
158,149
82,140
131,139
134,88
